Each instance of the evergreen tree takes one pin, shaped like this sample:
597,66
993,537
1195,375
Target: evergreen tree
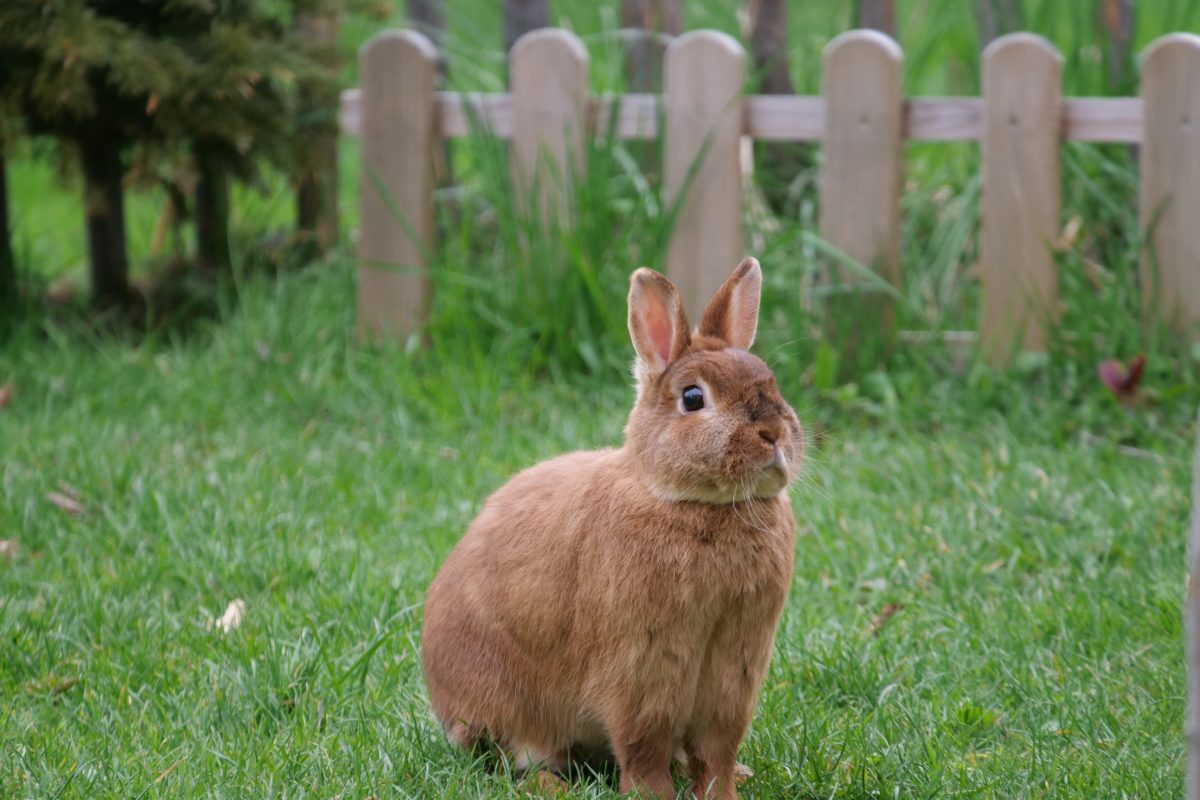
85,78
210,81
236,103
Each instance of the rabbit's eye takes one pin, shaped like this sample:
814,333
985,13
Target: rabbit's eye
693,399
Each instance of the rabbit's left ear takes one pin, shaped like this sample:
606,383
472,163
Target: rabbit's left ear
732,314
657,323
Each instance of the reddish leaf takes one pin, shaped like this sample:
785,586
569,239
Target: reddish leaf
6,393
1135,371
885,613
1122,381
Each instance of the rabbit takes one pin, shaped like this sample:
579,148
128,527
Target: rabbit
622,603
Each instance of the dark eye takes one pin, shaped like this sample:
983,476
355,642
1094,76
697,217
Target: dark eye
693,399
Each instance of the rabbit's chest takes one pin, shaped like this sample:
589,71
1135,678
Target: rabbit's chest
729,567
705,574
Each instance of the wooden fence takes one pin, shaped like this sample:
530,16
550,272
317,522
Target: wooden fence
862,121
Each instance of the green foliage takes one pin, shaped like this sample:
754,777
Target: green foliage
163,73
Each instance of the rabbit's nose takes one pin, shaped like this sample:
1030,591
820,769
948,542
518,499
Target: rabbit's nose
768,435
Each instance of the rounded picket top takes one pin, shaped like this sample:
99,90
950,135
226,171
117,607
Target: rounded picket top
549,43
701,49
862,44
397,40
1173,57
1019,48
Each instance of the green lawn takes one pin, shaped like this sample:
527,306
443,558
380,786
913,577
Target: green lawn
1036,574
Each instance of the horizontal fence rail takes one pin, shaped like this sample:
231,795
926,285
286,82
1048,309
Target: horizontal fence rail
861,121
777,118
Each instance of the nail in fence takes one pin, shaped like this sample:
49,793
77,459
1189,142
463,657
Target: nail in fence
862,122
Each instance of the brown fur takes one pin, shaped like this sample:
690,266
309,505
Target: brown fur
625,601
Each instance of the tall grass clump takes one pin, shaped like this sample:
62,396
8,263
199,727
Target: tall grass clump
549,291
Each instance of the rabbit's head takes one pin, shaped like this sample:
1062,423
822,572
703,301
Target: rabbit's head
709,424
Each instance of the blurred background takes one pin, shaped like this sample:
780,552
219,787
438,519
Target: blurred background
216,120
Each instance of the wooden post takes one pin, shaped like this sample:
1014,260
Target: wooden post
397,70
1170,201
863,170
549,70
703,79
1021,192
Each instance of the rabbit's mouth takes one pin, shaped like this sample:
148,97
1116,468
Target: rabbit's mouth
769,479
772,479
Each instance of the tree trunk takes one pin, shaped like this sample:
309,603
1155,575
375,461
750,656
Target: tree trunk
523,16
104,202
769,43
777,162
1117,17
8,272
317,189
996,18
646,21
429,17
212,210
878,15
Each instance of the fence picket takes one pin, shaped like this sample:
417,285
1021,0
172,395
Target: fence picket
397,69
1021,191
549,69
1170,170
863,169
703,79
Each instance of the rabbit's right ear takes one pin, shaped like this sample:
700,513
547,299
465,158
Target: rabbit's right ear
657,323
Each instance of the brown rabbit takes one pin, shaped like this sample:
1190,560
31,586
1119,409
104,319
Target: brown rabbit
624,602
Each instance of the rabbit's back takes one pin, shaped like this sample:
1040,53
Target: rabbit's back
503,607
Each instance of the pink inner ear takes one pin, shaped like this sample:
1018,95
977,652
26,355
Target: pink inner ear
659,328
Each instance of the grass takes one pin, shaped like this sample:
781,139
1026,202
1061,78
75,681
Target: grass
990,572
1038,574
